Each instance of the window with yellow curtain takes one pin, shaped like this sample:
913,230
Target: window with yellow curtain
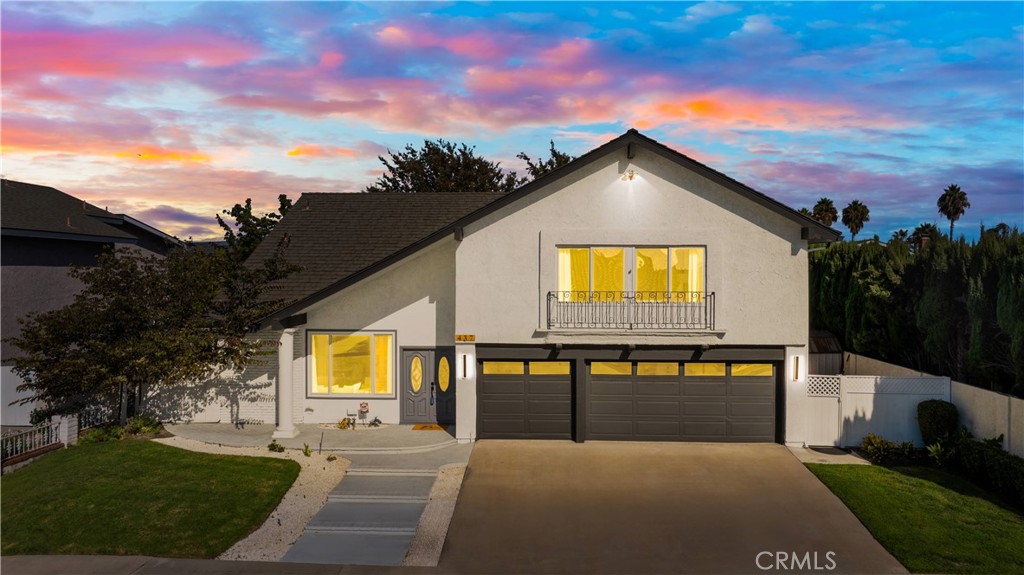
651,274
351,363
609,273
574,274
687,274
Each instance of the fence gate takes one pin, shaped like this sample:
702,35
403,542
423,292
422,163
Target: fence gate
823,410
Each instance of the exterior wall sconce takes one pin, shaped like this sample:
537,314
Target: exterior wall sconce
467,365
629,175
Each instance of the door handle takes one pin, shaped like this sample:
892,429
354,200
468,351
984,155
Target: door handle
432,384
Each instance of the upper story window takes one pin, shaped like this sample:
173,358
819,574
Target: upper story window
607,273
352,363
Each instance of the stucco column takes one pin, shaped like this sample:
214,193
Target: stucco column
285,352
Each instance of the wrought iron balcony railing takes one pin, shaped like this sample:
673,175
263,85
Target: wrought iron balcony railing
631,310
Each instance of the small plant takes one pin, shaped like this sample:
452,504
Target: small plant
344,423
306,450
332,457
940,454
143,424
277,447
375,422
102,434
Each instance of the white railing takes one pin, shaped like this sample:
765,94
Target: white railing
631,310
38,437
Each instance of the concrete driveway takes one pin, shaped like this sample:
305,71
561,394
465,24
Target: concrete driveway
611,507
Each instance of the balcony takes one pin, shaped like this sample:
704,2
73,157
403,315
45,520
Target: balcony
631,310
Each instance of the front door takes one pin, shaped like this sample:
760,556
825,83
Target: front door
445,376
419,386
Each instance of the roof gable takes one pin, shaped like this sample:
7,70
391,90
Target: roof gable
322,226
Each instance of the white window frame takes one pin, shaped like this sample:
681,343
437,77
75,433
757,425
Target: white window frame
311,374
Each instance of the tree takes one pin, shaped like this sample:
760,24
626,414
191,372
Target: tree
142,321
855,216
900,236
249,230
825,212
805,212
923,234
441,166
952,204
555,160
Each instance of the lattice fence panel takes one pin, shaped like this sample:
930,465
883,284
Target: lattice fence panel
823,385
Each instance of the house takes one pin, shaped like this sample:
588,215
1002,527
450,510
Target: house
633,294
44,232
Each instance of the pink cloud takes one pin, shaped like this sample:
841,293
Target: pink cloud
317,151
477,45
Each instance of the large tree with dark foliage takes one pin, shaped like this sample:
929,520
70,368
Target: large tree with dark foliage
442,166
142,321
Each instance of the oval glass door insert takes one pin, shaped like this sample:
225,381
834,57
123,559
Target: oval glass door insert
416,374
443,374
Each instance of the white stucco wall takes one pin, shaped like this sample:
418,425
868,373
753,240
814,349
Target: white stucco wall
13,414
756,262
414,298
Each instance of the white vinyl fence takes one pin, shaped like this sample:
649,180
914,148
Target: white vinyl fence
845,408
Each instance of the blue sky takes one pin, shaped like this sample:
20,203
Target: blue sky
173,111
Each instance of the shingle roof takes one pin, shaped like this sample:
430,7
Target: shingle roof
333,236
42,210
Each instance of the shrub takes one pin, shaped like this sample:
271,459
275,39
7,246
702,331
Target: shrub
987,462
332,457
880,450
937,419
276,447
102,434
306,450
143,424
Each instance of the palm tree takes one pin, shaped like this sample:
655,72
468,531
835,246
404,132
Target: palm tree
805,212
825,212
952,204
899,237
855,216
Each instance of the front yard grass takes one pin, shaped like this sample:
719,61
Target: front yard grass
930,520
138,497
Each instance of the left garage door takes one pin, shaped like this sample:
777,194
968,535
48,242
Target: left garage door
524,400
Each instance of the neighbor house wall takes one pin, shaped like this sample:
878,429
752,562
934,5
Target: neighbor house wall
756,262
13,414
414,298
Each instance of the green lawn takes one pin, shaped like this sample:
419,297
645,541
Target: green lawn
138,497
930,520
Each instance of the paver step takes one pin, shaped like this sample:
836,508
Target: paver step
367,530
402,486
378,498
382,471
367,516
349,548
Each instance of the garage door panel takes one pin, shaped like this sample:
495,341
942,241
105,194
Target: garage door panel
657,388
705,408
504,406
707,388
706,429
755,408
549,387
612,407
618,427
657,407
751,430
652,428
503,426
598,387
523,406
549,406
502,386
753,388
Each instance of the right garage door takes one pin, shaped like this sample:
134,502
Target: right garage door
669,401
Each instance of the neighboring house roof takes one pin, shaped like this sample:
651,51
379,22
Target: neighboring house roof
332,236
322,277
41,211
822,341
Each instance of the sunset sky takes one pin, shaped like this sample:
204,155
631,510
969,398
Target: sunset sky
171,112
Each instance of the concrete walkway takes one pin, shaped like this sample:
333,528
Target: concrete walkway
829,455
372,515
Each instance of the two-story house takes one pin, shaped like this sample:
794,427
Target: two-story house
633,294
44,233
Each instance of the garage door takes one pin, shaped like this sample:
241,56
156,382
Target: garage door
651,401
524,400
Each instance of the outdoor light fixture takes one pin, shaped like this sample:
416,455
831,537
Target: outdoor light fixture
796,368
629,175
466,366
